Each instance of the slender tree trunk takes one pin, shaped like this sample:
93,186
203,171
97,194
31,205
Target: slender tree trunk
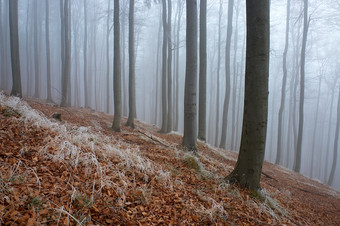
218,75
117,71
2,54
28,62
86,85
108,57
123,60
14,42
48,55
248,168
157,68
227,72
132,93
67,52
315,127
190,92
202,113
169,120
164,61
283,89
336,141
36,52
297,162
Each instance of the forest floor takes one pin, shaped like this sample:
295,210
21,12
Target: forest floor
78,171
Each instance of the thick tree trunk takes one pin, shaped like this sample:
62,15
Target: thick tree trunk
297,162
117,71
283,90
248,168
14,42
190,92
132,93
164,77
227,74
202,113
336,141
169,120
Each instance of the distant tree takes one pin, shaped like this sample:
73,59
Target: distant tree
190,92
248,168
169,71
336,141
164,68
48,54
36,51
86,85
117,70
297,162
203,72
132,92
67,55
227,74
283,89
14,40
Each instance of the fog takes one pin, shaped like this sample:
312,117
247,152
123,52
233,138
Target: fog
322,78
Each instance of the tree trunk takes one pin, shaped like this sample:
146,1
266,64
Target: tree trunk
108,57
86,88
164,56
190,91
227,74
67,56
336,141
132,93
157,68
14,42
202,113
36,52
248,168
218,75
283,90
169,120
117,71
48,55
297,162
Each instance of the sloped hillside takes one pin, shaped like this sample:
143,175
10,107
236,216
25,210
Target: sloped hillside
78,171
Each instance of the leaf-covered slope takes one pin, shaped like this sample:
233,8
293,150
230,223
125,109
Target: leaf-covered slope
79,171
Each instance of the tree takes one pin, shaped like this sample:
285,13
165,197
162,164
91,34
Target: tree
66,72
132,93
190,90
164,56
36,52
48,55
227,74
283,89
203,72
336,141
169,120
297,162
117,80
14,40
249,163
86,90
108,58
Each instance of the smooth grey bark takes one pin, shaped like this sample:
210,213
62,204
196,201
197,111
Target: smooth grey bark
86,85
36,52
2,52
157,67
315,127
235,75
283,89
218,74
336,141
108,57
223,143
169,65
14,43
132,92
48,51
123,59
67,58
248,168
190,91
202,112
28,64
297,162
164,68
117,80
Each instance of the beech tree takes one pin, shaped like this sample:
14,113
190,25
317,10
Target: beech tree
117,70
164,69
190,90
14,40
48,54
248,168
